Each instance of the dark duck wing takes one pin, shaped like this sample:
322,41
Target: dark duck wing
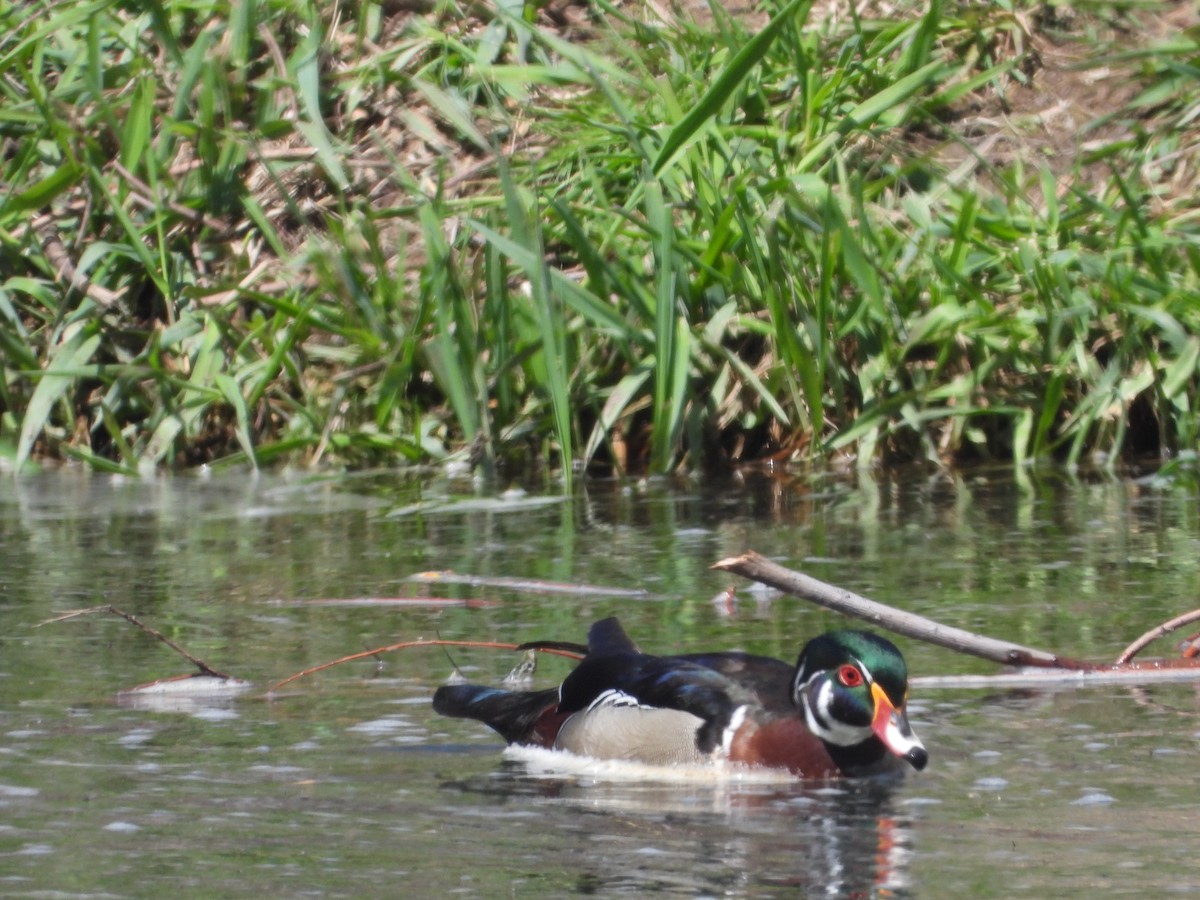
768,680
624,685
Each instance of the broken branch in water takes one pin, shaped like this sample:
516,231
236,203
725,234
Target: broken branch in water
405,602
758,568
1056,670
570,651
1172,671
534,585
1155,633
200,664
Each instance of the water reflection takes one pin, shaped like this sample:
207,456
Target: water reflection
704,834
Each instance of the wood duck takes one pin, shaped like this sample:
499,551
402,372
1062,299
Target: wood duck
839,711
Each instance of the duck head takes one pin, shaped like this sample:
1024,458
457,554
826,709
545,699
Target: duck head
852,687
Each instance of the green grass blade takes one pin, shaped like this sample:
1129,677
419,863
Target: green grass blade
52,386
666,417
725,84
233,396
622,396
578,298
45,190
451,360
548,312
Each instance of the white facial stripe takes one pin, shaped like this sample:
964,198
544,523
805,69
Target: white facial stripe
799,689
822,723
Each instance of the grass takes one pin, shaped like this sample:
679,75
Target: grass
280,232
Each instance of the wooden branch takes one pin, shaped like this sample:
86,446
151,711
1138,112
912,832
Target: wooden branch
133,620
757,568
1155,633
1172,671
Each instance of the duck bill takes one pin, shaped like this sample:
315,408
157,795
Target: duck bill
891,726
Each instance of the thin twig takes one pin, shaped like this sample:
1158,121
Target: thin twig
757,568
142,194
487,645
133,620
65,271
1155,633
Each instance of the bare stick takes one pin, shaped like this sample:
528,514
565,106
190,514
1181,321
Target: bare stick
133,620
1155,633
488,645
757,568
1128,674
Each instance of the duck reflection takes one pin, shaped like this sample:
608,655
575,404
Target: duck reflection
714,837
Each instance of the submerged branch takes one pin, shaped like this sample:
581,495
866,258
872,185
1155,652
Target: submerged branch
200,664
757,568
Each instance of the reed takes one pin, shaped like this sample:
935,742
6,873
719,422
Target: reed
278,232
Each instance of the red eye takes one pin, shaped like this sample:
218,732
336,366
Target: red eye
850,676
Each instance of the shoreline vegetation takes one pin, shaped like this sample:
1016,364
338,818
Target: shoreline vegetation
598,237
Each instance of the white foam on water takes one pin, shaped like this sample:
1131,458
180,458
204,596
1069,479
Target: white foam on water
382,725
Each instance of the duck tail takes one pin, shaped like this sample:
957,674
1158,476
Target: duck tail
514,715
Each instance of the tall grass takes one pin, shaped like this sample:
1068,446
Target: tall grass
275,231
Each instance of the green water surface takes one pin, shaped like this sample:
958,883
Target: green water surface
346,783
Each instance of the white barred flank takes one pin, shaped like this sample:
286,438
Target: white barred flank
617,730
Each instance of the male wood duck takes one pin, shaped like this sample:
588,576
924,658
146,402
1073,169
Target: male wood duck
839,711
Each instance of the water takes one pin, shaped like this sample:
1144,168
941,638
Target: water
346,784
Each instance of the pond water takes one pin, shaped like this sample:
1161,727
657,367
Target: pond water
345,783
